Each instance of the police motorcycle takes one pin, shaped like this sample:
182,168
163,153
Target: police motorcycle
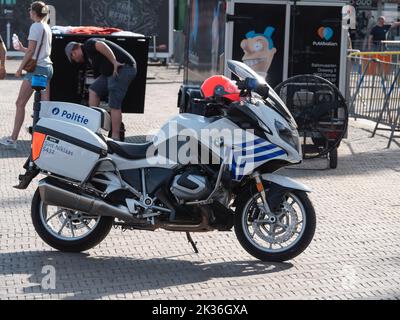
92,183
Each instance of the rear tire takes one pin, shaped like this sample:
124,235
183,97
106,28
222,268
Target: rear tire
303,242
333,158
97,235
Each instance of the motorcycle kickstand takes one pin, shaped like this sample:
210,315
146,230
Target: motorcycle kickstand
190,239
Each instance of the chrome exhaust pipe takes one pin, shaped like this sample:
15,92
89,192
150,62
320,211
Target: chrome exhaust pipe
57,196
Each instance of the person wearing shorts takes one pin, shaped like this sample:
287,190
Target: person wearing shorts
39,48
114,69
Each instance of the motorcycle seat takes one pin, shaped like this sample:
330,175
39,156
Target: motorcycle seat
132,151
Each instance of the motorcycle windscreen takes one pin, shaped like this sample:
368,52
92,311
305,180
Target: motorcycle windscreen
242,71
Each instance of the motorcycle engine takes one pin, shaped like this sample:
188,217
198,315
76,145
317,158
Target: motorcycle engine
191,187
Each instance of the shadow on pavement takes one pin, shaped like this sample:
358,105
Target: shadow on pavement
23,150
348,165
378,134
94,277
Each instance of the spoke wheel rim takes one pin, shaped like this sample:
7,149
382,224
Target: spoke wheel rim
278,247
65,224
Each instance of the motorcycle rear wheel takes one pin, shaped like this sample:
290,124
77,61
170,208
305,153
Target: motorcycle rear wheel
259,236
97,227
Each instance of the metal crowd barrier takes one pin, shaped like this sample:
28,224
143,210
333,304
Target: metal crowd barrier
374,89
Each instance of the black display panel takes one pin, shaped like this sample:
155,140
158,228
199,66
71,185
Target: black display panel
67,81
316,42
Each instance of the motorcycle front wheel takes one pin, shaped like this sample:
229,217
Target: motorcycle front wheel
68,230
278,236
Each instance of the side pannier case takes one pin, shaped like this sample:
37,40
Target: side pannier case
95,119
66,149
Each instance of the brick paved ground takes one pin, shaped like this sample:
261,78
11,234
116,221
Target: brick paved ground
355,253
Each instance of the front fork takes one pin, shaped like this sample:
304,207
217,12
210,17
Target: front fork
261,190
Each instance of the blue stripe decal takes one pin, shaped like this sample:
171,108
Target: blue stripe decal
242,157
252,143
266,148
259,141
233,168
243,165
269,156
248,153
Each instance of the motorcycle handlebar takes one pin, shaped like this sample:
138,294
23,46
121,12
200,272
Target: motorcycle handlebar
196,100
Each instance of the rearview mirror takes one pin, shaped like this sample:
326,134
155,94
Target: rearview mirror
263,90
254,85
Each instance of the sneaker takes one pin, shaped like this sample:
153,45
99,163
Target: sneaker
8,142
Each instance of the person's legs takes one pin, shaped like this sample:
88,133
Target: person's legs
116,120
48,71
118,88
46,94
94,99
97,90
25,94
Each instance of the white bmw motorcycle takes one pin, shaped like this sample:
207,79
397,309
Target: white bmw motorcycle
93,183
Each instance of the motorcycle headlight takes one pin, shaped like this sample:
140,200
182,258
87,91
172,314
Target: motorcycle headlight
289,136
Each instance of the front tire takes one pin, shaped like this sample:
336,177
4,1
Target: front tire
97,227
261,245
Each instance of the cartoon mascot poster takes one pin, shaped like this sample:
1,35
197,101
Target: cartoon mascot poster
259,50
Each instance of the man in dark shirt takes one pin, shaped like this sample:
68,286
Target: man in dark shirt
378,34
3,53
114,68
